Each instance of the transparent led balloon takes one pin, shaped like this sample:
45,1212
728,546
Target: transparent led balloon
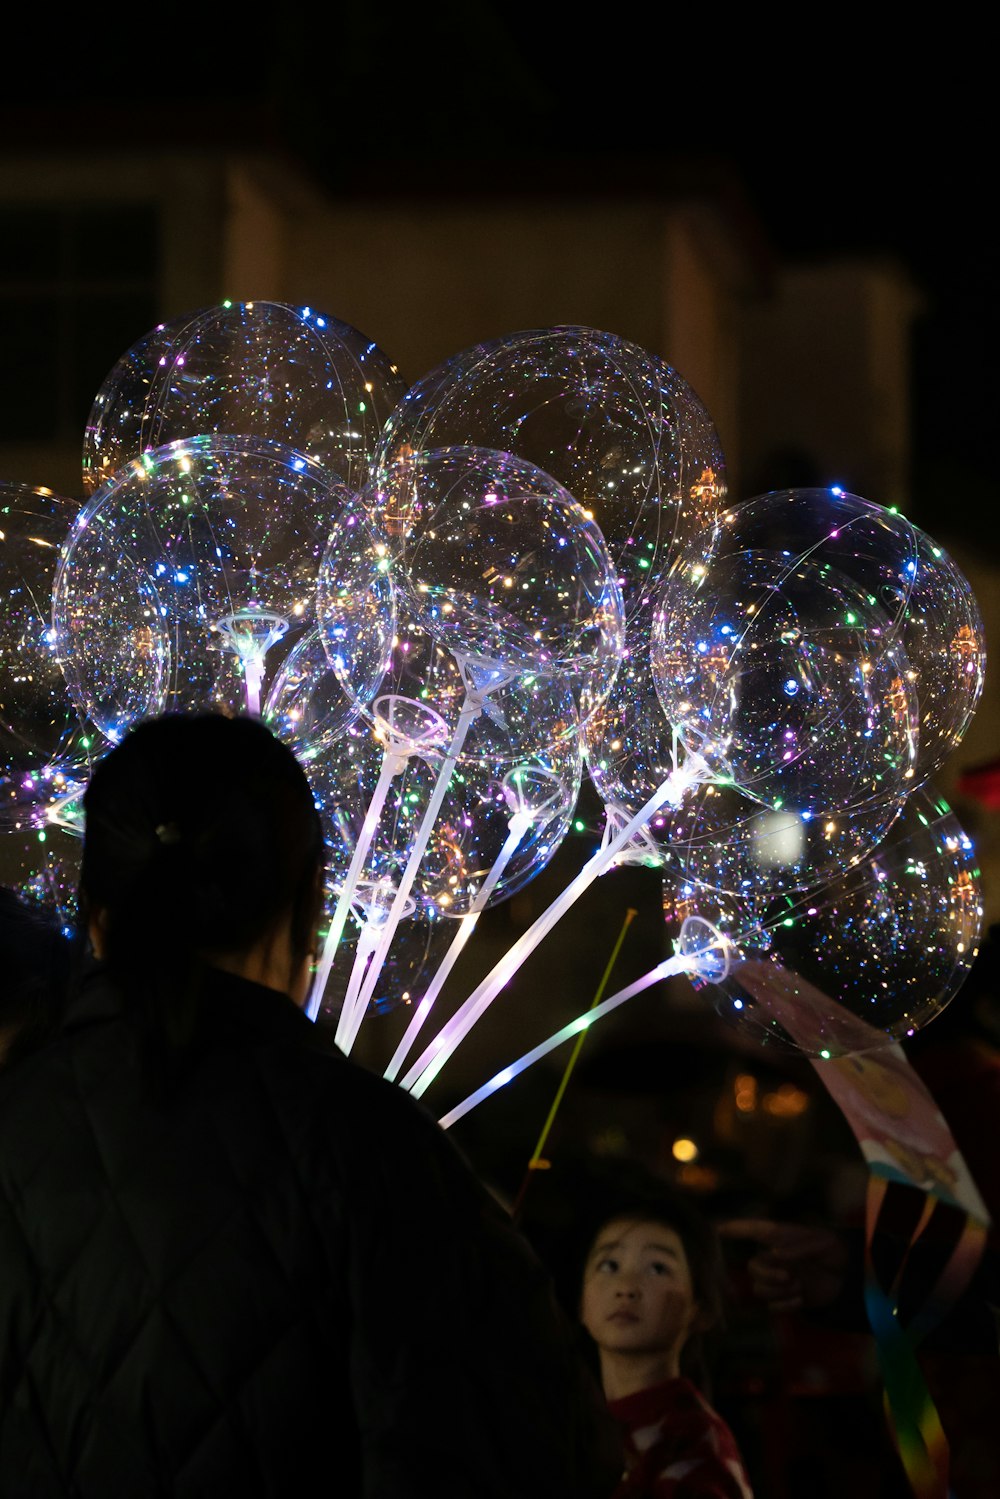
866,959
616,426
41,863
505,569
356,603
726,838
190,576
786,674
267,370
725,841
930,624
40,730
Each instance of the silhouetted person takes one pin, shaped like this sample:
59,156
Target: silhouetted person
234,1263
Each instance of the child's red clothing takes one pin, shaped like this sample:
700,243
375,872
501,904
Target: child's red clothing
676,1446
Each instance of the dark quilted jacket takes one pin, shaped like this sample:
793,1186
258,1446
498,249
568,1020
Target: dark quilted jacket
277,1272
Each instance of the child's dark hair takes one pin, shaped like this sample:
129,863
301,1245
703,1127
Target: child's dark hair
659,1204
201,837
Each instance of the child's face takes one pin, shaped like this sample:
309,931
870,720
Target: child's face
637,1292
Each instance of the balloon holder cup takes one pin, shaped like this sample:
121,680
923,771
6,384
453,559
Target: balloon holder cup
371,901
531,791
641,848
249,634
405,727
706,952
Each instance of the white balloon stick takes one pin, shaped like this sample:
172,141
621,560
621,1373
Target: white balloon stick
366,945
253,674
677,964
672,790
518,826
392,764
471,709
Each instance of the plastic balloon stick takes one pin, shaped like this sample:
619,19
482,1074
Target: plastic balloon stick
404,727
373,915
374,918
679,963
519,825
366,945
391,766
471,709
537,1161
433,1059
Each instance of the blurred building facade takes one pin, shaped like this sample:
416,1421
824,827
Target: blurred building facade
804,368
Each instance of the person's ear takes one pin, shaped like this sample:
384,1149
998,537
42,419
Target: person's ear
303,976
97,931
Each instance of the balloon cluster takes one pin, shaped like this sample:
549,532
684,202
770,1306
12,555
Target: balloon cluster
452,601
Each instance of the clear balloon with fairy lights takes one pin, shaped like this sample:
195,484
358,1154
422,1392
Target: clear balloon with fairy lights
45,746
822,599
290,375
866,959
190,576
356,603
503,567
620,429
787,671
40,861
723,838
725,841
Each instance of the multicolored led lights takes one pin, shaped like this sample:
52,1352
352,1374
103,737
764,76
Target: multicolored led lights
450,599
